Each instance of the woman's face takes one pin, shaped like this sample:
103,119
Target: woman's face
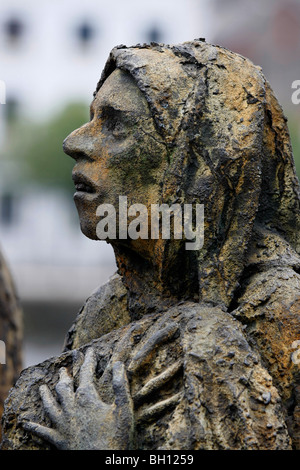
117,153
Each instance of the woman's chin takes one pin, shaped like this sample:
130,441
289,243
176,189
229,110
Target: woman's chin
89,230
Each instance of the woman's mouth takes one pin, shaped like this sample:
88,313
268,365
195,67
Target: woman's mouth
83,188
83,184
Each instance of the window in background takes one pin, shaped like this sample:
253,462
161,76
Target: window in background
85,33
14,31
154,34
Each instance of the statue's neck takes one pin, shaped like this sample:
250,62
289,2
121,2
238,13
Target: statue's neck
153,287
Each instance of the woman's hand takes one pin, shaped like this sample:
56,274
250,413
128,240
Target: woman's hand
82,420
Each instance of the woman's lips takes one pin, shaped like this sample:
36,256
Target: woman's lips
84,188
83,184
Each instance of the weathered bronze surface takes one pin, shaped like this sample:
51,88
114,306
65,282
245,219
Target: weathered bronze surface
180,349
11,333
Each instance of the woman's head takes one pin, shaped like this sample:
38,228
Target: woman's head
204,127
117,153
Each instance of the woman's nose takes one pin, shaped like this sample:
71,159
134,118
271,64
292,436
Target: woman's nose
78,144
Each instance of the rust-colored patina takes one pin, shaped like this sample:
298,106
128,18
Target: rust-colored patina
207,336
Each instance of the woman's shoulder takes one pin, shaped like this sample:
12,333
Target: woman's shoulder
105,310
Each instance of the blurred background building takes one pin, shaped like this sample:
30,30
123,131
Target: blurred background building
51,57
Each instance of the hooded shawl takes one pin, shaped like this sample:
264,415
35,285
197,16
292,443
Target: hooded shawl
229,149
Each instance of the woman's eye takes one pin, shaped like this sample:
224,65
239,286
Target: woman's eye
115,122
118,129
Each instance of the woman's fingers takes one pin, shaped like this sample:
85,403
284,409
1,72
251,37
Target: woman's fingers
151,344
51,406
65,390
123,404
88,367
151,412
86,390
121,386
50,435
157,382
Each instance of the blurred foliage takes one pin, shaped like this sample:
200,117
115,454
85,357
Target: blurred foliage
38,147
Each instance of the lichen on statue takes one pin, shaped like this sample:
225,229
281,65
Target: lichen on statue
195,345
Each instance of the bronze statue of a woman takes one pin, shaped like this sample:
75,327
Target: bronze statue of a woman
181,349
